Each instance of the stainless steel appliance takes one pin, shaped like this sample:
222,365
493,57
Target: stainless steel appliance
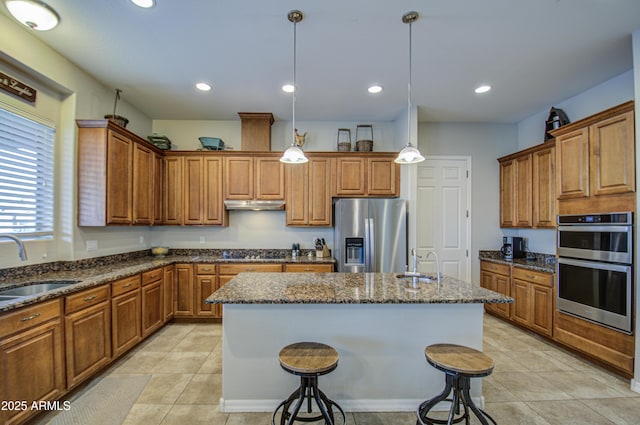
370,235
512,247
595,268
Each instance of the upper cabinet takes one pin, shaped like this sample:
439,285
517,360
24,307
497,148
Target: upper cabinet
116,181
374,174
595,162
308,192
254,176
527,188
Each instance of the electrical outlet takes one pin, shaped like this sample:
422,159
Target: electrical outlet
91,245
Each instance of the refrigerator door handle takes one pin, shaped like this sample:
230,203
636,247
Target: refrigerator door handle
366,245
371,246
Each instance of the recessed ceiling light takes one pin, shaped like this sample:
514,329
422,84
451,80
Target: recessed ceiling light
288,88
482,89
34,14
375,89
203,86
144,3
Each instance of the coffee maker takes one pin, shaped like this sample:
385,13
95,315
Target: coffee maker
512,247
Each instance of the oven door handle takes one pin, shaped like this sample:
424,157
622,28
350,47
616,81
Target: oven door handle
594,265
593,229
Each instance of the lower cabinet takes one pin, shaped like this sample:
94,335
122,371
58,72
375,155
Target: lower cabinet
31,359
184,290
125,315
496,277
152,306
168,292
87,326
308,268
205,285
533,305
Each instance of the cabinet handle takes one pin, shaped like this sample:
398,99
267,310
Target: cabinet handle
250,269
93,297
530,276
33,316
308,270
127,285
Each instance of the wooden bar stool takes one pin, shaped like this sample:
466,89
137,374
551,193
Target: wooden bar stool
459,364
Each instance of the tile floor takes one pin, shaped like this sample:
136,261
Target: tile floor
534,382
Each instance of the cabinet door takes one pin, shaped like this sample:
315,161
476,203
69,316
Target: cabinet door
351,176
87,341
503,287
544,188
184,290
214,212
383,177
158,190
521,311
193,190
269,173
205,286
572,164
541,319
152,307
309,268
507,193
32,369
168,293
143,188
125,322
488,281
612,165
238,177
319,210
522,196
297,199
172,202
119,179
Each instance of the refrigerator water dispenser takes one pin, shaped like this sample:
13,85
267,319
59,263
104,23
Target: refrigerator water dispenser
354,250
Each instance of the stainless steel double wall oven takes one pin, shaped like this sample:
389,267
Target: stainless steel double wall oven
595,268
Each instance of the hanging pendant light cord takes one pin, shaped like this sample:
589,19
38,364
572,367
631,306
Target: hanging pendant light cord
409,92
295,88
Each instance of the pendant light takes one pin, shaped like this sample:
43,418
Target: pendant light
35,14
409,154
294,154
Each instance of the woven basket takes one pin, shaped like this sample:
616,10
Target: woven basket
344,147
364,145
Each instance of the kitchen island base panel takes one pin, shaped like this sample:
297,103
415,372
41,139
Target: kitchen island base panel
381,348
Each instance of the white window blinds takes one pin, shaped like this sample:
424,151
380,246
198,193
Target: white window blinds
26,175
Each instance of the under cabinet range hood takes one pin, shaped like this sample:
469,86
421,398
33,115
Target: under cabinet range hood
254,205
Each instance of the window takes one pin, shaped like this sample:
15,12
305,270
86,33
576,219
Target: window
26,175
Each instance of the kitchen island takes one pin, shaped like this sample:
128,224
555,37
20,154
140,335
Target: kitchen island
378,322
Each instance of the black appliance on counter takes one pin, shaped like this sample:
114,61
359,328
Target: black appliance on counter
595,268
512,247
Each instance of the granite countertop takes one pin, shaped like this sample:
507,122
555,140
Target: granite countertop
88,275
539,262
348,288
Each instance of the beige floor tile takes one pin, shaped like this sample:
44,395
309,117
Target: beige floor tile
580,385
505,362
138,362
494,392
195,414
621,411
529,386
538,361
568,412
202,389
384,418
164,388
518,413
147,414
197,341
180,362
249,419
213,364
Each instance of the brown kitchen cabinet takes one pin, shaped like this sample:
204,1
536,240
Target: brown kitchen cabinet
533,304
254,176
184,290
87,333
308,195
228,271
168,292
125,315
595,162
151,301
364,174
158,188
206,284
32,362
544,187
308,268
203,203
497,278
115,175
172,201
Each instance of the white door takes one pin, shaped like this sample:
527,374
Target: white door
443,215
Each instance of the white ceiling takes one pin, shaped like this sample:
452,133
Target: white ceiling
533,52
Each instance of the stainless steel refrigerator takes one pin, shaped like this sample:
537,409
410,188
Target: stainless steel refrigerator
370,235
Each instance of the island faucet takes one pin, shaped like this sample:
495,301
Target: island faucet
415,272
22,253
435,254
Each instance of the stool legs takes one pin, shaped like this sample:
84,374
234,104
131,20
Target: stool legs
458,386
308,390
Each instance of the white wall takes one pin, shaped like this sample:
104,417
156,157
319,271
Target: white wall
79,96
484,143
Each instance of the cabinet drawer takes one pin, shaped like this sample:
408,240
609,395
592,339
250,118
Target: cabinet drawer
29,317
494,268
205,269
86,298
533,276
151,276
311,268
249,267
125,285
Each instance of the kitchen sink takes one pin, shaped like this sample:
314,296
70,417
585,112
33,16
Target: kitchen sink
35,288
421,278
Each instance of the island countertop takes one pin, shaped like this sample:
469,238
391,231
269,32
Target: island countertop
348,288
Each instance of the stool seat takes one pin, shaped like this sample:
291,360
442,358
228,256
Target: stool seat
459,359
308,358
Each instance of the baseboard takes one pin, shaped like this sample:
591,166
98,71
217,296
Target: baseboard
635,385
353,405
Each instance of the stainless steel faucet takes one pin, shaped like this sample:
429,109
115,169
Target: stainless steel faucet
435,254
22,253
415,272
